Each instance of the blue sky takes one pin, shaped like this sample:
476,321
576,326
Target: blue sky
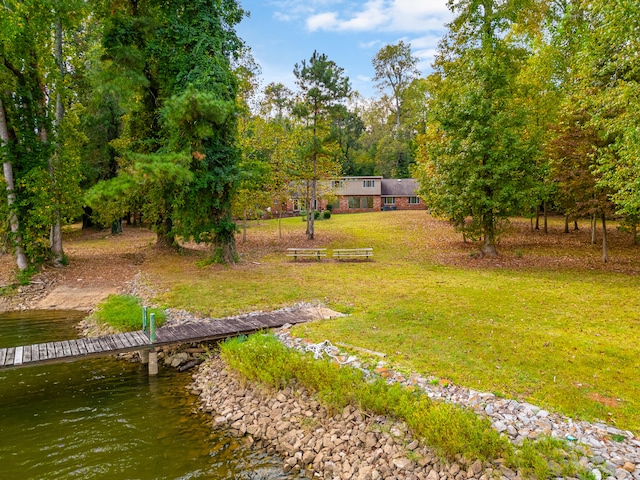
282,33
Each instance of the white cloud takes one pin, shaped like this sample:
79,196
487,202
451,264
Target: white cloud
322,21
387,15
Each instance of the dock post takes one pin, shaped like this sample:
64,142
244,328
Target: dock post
152,327
153,354
153,362
144,319
144,356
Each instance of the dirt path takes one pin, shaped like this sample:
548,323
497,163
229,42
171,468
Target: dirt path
100,264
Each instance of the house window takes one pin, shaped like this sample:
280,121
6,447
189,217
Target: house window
389,200
360,202
414,200
368,183
337,184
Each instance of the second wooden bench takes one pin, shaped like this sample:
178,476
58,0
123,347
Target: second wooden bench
341,253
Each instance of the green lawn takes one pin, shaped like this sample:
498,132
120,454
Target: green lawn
546,322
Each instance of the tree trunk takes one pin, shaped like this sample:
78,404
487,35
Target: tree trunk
566,224
605,252
489,234
244,226
537,218
593,229
575,225
116,226
15,237
306,206
544,210
55,235
164,233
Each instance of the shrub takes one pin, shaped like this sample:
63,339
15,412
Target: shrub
316,214
326,214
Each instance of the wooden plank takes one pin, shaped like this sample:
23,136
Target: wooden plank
125,340
10,356
3,356
100,345
105,344
35,353
111,340
74,348
58,350
212,329
88,345
141,338
82,347
117,341
18,355
66,348
51,351
168,335
42,351
26,356
181,333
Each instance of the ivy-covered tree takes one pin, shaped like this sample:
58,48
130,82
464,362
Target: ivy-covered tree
171,70
38,143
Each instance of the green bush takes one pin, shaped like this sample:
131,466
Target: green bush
124,313
316,214
326,214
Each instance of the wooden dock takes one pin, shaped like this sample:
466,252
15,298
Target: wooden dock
201,331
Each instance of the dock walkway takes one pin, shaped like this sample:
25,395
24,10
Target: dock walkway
200,331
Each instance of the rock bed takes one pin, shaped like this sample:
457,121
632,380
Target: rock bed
316,443
518,420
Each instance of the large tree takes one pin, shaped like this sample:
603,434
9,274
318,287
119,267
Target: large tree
477,165
323,89
37,141
171,67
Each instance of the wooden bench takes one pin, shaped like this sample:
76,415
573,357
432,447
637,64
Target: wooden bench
296,253
342,253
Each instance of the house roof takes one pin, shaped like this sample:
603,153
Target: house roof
404,187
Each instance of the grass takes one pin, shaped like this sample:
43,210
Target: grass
546,322
124,313
449,430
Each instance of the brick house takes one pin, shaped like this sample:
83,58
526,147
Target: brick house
400,194
365,194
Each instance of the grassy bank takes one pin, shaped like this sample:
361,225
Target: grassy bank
546,322
449,430
123,313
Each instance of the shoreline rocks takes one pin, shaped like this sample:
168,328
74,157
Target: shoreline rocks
317,443
603,456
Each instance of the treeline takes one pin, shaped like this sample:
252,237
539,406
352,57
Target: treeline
154,109
534,103
533,106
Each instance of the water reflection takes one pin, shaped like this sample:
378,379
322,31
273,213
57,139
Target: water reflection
105,418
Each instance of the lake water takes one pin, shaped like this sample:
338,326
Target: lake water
107,419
